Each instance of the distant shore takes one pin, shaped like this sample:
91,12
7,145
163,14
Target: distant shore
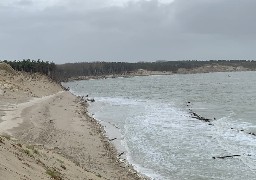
142,72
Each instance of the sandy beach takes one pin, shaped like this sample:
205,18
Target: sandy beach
46,133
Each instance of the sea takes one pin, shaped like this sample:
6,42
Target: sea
150,119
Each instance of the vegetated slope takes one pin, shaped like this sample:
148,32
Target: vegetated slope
68,71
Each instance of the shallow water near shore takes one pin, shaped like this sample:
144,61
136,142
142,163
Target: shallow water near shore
159,135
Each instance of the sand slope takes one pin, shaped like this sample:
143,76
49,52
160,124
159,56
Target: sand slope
52,134
31,162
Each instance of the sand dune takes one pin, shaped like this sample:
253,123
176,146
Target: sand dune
46,133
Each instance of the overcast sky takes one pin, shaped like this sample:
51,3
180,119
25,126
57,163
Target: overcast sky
127,30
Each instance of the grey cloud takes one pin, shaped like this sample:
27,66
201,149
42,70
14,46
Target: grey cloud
24,3
221,17
145,30
139,17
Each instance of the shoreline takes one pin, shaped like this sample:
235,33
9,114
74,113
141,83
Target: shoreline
113,139
59,127
108,137
26,133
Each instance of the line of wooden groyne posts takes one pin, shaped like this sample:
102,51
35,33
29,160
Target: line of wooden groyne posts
210,122
193,115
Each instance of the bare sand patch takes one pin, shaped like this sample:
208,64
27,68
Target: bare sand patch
52,134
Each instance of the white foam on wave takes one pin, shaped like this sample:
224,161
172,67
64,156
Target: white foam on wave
146,133
139,110
154,125
234,138
151,134
118,101
165,126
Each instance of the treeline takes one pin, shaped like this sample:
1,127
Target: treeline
66,71
33,66
70,70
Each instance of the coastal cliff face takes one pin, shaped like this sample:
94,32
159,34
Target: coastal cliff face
45,133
